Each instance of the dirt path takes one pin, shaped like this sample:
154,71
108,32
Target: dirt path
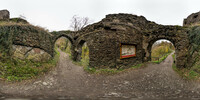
69,81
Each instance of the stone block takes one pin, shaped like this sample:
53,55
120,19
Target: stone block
4,15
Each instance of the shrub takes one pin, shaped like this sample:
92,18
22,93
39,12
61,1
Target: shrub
161,51
17,70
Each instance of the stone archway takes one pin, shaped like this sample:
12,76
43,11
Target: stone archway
160,49
179,39
63,43
149,48
66,34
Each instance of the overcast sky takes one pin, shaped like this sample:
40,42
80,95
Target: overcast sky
56,14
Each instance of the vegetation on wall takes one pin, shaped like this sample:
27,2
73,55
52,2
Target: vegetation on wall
5,40
85,55
18,70
18,20
68,47
187,73
15,69
26,34
192,72
194,53
194,36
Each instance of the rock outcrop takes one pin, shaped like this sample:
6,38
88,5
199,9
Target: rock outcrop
192,19
30,53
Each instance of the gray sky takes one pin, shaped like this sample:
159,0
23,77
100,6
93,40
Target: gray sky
56,14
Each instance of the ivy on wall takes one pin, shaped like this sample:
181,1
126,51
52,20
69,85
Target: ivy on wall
194,36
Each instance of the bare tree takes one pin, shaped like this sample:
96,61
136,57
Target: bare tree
78,23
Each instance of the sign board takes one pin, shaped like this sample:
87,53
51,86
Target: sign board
127,50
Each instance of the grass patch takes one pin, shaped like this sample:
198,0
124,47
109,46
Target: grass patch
162,58
18,70
173,56
110,71
137,66
189,74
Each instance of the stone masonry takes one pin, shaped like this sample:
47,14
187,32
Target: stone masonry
194,18
4,15
103,39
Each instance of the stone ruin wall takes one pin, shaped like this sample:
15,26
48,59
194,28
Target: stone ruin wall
192,19
24,41
104,39
106,36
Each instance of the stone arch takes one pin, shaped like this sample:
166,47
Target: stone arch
149,48
63,43
180,42
58,35
64,35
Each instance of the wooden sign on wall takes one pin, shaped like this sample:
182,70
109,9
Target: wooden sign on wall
127,50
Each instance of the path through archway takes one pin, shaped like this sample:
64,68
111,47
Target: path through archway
64,44
161,49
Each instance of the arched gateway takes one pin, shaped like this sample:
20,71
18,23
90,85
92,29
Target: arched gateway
110,39
117,41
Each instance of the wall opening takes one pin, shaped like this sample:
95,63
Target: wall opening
83,54
161,49
63,44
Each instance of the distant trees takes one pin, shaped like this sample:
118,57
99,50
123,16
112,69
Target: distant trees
162,48
78,23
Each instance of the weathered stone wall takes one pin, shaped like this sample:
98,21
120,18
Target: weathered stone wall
33,43
31,36
194,18
4,15
194,47
105,49
175,34
5,40
104,38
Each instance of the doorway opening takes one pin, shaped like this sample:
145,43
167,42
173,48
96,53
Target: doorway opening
161,49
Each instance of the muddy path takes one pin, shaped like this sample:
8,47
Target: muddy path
69,81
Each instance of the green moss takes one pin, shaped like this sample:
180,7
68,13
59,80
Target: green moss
9,32
137,66
193,54
192,74
194,36
189,74
162,58
18,20
109,71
